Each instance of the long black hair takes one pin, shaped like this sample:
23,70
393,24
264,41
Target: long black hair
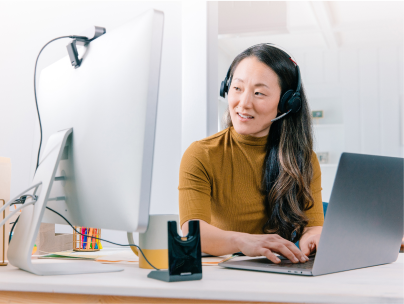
287,170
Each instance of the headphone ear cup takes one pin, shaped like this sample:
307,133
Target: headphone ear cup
295,103
283,103
223,89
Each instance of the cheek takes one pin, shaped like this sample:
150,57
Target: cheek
266,110
232,105
232,101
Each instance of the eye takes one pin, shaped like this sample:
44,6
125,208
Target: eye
259,94
237,88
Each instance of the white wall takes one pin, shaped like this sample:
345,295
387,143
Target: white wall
199,70
25,27
360,91
224,62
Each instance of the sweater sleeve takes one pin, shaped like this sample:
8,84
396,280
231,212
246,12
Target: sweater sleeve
315,214
194,185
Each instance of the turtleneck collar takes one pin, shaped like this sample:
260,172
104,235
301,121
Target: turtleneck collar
248,139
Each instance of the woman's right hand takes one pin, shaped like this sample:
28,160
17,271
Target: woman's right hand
219,242
268,244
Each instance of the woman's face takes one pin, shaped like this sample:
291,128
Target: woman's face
253,97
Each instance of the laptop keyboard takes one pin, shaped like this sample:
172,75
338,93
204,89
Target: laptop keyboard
286,263
307,265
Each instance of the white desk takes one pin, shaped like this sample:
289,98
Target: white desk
379,284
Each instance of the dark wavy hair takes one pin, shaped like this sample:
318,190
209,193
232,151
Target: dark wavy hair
287,171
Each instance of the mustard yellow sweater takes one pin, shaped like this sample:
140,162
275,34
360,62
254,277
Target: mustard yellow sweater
220,180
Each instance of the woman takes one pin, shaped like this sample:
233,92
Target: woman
256,186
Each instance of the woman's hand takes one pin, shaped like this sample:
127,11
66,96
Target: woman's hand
266,245
219,242
309,241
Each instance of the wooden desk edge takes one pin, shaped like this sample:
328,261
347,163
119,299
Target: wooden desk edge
67,298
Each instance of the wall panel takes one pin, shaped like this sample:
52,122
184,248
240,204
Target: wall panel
349,78
369,101
367,83
389,101
314,67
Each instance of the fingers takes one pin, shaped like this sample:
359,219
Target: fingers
270,256
312,246
309,245
267,245
304,247
287,253
287,249
297,252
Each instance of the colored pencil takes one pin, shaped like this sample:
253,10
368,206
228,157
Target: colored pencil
83,230
89,241
94,240
85,238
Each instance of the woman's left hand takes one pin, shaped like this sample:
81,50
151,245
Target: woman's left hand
309,241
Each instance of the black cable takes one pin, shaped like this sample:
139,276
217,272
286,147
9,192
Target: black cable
93,237
36,101
21,201
12,229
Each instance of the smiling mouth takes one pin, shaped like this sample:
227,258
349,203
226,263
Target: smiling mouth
245,116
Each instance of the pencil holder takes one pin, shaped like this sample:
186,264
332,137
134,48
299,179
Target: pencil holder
86,243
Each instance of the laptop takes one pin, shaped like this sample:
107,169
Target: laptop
364,223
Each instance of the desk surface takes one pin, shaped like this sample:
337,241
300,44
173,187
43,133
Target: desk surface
378,284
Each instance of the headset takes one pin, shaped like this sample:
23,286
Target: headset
290,102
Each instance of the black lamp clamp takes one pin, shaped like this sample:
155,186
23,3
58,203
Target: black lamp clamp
184,255
84,39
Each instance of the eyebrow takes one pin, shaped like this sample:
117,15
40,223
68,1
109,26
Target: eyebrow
256,85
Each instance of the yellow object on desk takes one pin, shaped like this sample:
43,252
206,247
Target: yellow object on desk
158,258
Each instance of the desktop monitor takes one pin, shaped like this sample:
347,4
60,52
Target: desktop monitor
99,123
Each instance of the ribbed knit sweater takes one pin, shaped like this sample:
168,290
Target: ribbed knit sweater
220,182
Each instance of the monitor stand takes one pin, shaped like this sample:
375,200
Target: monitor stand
20,248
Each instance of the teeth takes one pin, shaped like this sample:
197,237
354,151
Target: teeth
243,116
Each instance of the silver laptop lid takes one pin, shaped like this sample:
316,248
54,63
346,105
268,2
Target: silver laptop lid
364,224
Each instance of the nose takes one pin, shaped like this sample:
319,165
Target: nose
246,100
